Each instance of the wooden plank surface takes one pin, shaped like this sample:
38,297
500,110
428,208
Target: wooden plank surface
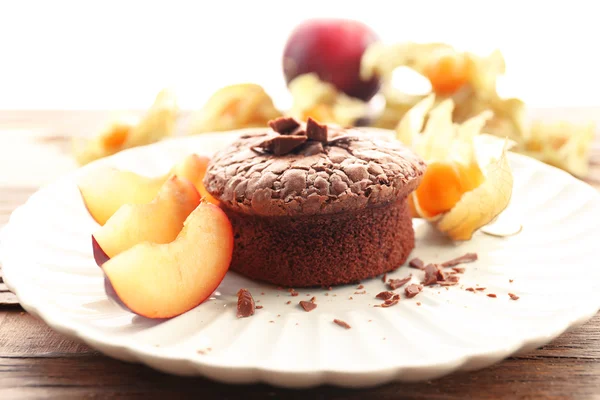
36,362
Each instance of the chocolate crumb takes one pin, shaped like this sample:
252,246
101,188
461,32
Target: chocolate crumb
361,292
467,258
470,289
342,323
329,288
245,304
384,277
492,295
201,352
360,287
513,296
350,298
288,302
278,315
385,295
370,320
293,293
259,307
284,125
389,303
416,263
480,288
412,290
262,293
458,270
397,283
271,322
510,281
418,303
432,275
258,301
316,131
326,294
313,299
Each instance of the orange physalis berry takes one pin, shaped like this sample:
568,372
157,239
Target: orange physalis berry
444,184
448,72
115,138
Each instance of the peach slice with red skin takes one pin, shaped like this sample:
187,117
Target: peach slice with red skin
159,221
165,280
194,167
105,190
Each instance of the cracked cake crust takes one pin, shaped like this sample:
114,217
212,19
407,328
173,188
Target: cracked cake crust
351,171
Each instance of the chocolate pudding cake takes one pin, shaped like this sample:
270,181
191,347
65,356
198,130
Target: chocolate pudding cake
315,205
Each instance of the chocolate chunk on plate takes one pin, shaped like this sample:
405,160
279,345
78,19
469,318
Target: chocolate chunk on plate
245,304
467,258
412,290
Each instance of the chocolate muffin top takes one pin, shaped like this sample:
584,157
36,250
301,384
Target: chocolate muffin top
307,170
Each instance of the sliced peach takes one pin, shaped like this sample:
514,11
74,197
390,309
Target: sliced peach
166,280
104,191
193,168
159,221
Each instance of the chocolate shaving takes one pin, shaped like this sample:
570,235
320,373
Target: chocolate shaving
470,289
342,323
513,296
397,283
450,280
307,305
313,299
412,290
293,293
259,307
416,263
389,303
284,125
385,295
245,304
492,295
480,288
458,270
281,144
432,275
384,277
467,258
316,131
361,287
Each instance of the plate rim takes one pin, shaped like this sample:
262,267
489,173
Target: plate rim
253,374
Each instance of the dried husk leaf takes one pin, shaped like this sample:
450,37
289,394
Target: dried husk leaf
481,205
156,124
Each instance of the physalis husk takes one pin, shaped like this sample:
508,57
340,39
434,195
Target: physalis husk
461,190
129,131
562,144
245,105
320,100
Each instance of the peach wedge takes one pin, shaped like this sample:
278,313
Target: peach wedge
105,190
165,280
159,221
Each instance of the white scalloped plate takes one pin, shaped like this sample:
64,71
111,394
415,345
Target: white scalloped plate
47,262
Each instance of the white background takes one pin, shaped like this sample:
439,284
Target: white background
118,54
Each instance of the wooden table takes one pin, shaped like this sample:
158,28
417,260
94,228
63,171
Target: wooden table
36,362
